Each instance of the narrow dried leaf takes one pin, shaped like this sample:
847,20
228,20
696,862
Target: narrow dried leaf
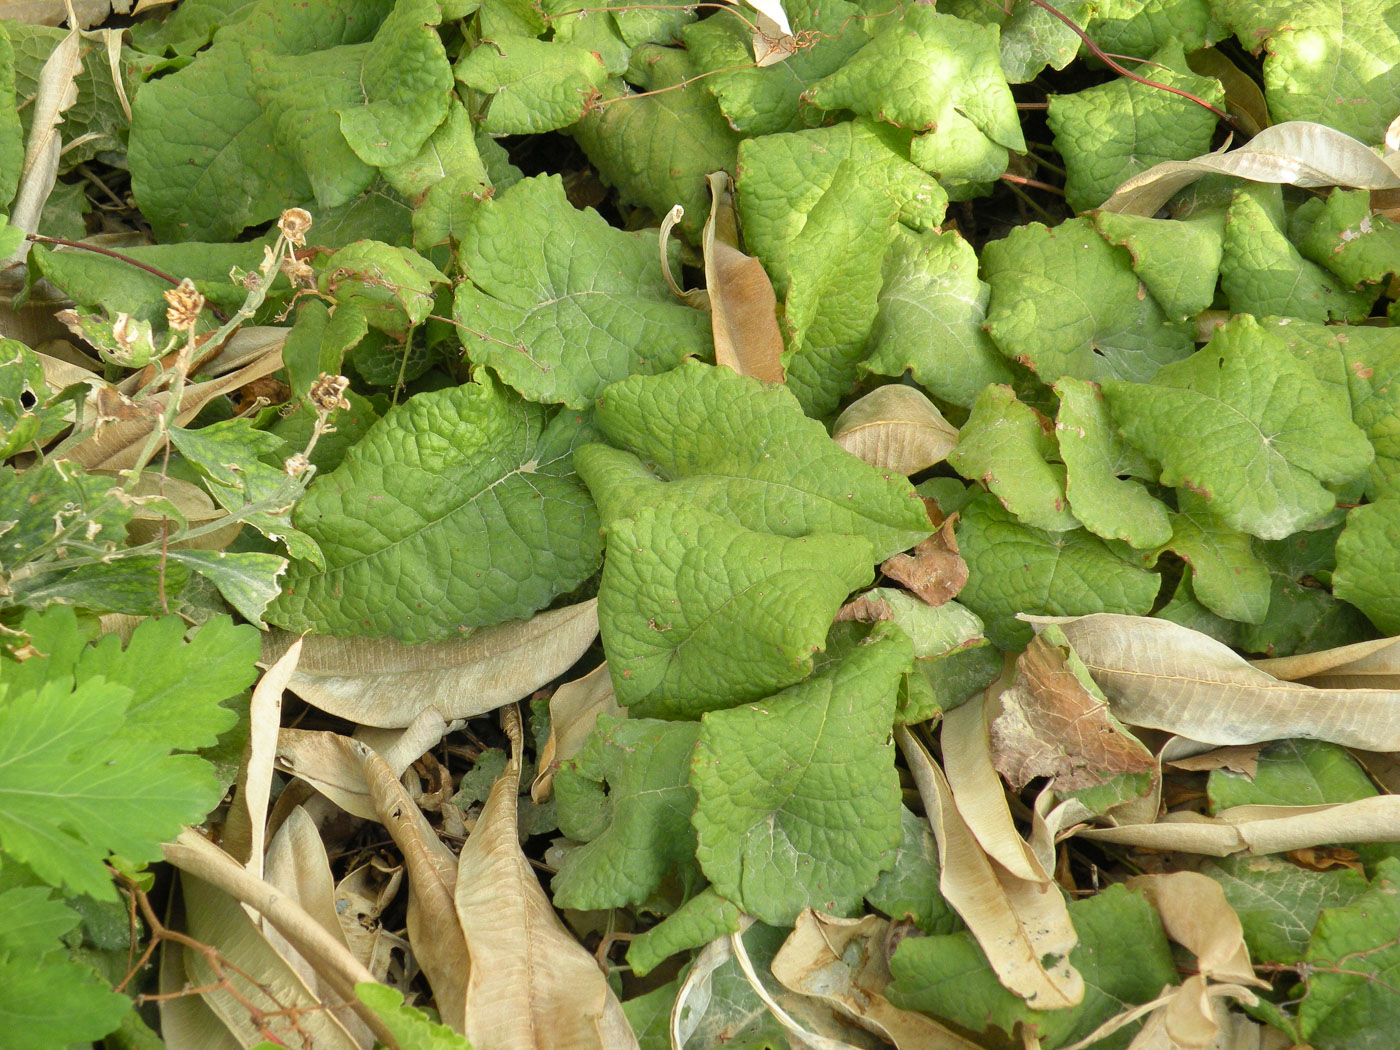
895,428
433,930
382,682
1257,830
532,986
1018,923
245,831
1373,664
573,709
842,962
800,1034
55,92
1196,915
1243,759
1053,725
743,307
186,1022
1164,676
1296,152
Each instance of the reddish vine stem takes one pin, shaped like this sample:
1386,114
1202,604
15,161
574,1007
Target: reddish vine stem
1021,180
1122,70
107,252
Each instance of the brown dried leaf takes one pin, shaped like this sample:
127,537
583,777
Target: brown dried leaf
1053,725
842,962
743,308
865,610
1372,664
382,682
1242,759
895,428
1018,923
573,710
532,986
935,571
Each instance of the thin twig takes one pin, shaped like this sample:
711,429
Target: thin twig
107,252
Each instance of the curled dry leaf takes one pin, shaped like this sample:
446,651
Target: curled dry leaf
433,929
1161,675
382,682
895,428
1243,759
55,92
1023,927
1055,723
864,610
743,307
360,900
935,571
246,828
1373,664
532,986
573,710
842,962
1296,152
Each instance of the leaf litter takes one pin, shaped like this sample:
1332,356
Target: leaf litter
1008,600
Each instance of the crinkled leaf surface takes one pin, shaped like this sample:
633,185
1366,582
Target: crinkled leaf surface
566,302
697,922
1066,303
1368,563
535,85
1278,902
697,613
657,149
929,316
1343,235
414,1029
1245,425
1178,261
1110,132
923,70
737,447
1100,468
390,285
1015,568
1006,445
470,478
798,798
1333,61
1122,954
1262,273
635,771
1226,575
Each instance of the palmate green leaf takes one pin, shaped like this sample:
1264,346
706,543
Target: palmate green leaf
798,797
391,286
733,446
1354,962
1066,303
470,477
783,179
1247,426
1099,468
246,580
1341,234
446,178
1359,366
930,72
176,685
535,85
567,303
1140,27
1178,261
929,318
695,923
1333,61
1262,273
1109,133
697,613
46,999
634,771
657,148
1368,563
1006,445
1031,37
189,26
1303,617
767,100
1122,954
1013,568
1278,902
74,786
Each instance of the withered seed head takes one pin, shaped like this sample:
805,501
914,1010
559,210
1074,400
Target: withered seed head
185,304
328,392
295,465
294,224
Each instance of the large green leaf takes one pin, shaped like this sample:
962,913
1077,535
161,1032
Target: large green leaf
469,477
798,797
1247,426
1178,261
535,85
739,448
697,613
1066,303
1368,563
564,303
